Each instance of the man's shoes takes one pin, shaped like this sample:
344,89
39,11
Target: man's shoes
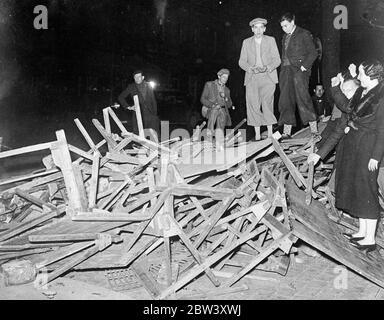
364,247
350,237
285,136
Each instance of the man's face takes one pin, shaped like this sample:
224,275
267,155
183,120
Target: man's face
364,79
223,78
349,88
258,29
138,78
319,91
287,26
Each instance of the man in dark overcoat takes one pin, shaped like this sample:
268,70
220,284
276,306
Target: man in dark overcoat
147,101
298,56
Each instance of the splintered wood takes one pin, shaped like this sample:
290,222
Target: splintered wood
170,213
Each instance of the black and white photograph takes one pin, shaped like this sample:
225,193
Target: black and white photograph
191,155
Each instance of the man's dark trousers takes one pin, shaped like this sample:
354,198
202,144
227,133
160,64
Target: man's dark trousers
294,90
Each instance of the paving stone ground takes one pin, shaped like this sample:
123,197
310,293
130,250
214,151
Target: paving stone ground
316,278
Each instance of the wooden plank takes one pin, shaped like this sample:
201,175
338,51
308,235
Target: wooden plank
62,159
36,182
83,216
105,134
94,183
123,158
109,201
311,169
296,175
81,153
107,123
30,224
86,135
146,280
117,121
369,266
27,176
322,233
64,237
153,211
211,222
258,259
193,251
148,143
198,269
138,116
23,150
192,190
63,253
36,201
23,253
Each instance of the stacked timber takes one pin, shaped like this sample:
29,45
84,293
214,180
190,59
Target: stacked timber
161,214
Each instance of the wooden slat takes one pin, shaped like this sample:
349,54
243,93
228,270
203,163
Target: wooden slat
23,150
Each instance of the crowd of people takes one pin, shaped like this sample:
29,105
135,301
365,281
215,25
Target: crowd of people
355,124
358,135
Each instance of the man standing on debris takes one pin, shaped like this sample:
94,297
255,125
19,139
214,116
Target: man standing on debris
147,101
259,58
298,55
216,100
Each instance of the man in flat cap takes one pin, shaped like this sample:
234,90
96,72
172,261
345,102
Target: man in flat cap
259,58
298,55
216,100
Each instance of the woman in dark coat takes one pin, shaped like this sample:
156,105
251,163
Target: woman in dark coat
359,153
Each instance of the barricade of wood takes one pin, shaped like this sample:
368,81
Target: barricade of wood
166,213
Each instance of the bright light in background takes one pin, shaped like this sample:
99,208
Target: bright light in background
152,84
161,6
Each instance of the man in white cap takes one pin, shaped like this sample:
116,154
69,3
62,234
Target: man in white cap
216,100
259,58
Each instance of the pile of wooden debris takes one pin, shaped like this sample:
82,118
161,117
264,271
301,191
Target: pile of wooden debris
162,214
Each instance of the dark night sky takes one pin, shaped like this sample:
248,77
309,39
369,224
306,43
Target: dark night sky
99,43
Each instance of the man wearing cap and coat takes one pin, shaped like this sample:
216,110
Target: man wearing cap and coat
259,58
216,100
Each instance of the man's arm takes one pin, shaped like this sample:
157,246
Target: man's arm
378,149
310,48
205,96
341,101
276,61
229,102
243,62
334,137
123,95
